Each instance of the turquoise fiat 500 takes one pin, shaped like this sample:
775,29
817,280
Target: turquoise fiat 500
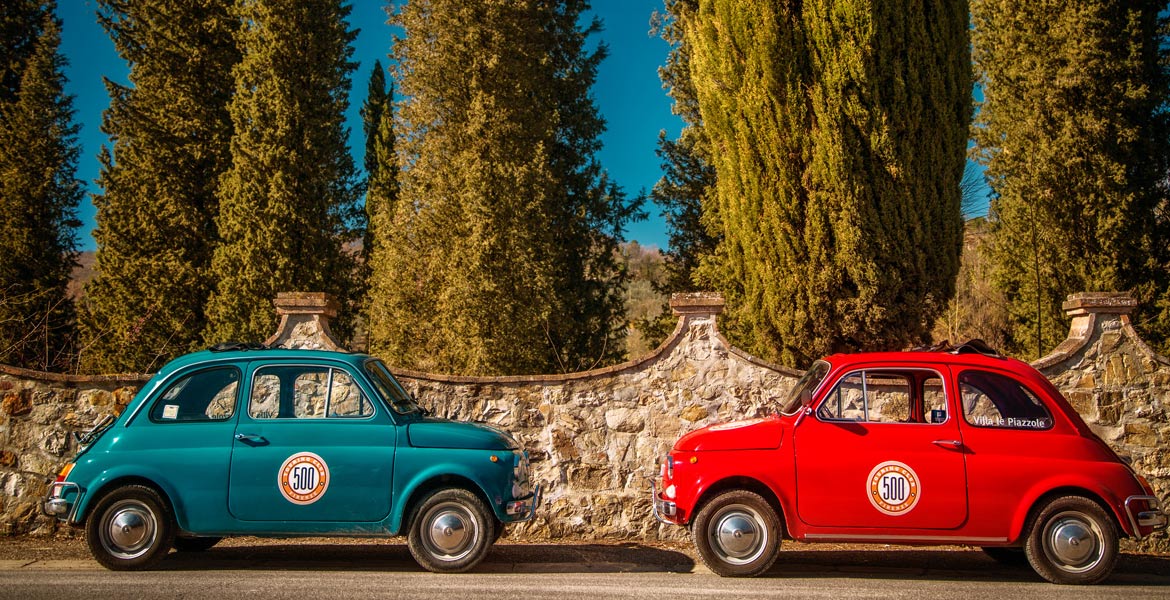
242,440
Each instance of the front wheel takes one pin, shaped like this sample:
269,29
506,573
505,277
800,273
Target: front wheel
1072,541
737,534
130,529
451,531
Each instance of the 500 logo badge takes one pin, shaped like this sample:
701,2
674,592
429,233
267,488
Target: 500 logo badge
303,478
893,488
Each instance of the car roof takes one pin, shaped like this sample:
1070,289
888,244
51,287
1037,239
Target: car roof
258,353
912,358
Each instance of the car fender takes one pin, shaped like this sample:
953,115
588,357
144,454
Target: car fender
765,479
436,472
1087,485
105,481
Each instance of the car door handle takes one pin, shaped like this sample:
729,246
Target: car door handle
952,444
250,438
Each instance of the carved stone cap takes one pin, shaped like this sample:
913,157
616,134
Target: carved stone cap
304,321
1084,303
306,303
697,303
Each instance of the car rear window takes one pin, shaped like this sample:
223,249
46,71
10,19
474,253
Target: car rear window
995,400
306,392
208,395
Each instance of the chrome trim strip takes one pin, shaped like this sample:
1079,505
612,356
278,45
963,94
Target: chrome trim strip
535,503
906,538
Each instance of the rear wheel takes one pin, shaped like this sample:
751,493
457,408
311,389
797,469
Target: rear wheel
737,534
1072,541
451,531
130,529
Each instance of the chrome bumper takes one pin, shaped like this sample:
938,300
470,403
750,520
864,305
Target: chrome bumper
662,508
524,510
1151,517
57,503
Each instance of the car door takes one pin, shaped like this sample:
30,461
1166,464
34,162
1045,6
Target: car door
312,445
882,449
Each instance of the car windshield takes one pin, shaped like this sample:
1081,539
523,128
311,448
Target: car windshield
389,388
802,392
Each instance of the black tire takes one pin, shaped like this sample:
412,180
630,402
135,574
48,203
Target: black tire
195,544
451,531
737,534
1072,540
130,529
1007,556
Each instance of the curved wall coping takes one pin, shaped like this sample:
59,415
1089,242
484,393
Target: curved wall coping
1084,309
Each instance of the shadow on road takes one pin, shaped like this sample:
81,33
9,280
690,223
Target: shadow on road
504,558
954,565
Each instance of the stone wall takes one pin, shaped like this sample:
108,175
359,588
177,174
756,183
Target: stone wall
595,436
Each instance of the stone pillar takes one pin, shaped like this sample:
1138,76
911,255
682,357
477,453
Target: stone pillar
304,321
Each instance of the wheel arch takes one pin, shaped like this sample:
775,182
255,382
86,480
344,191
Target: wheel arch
112,483
432,484
1022,522
743,482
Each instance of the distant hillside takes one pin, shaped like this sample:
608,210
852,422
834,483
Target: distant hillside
82,273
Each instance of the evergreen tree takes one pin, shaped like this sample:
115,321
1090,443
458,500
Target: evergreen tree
501,258
39,194
381,161
155,221
288,204
1073,130
838,132
21,24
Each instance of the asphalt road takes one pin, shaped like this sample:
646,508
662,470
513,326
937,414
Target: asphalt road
377,569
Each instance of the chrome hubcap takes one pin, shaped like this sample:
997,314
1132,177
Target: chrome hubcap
451,531
130,530
737,533
1073,542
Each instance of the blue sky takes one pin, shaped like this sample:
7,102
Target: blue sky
628,93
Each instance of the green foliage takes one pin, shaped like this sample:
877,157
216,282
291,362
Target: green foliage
288,203
498,256
156,214
838,133
38,195
979,309
1073,130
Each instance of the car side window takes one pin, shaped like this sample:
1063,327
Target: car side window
934,400
995,400
306,392
207,395
869,396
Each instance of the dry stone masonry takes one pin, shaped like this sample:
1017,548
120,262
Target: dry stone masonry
596,436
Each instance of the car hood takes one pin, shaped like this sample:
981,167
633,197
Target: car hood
443,433
752,434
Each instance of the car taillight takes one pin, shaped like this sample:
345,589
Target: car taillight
64,472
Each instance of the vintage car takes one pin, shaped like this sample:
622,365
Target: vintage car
935,447
240,440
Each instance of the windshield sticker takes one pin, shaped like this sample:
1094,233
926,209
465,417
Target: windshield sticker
170,411
893,488
736,424
303,478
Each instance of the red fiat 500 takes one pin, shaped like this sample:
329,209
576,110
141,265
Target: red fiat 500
957,447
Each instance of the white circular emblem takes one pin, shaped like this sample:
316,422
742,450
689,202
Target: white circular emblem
303,478
893,488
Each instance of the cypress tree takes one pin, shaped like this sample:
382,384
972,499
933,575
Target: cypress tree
288,204
1073,131
501,258
381,162
155,215
838,133
39,194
